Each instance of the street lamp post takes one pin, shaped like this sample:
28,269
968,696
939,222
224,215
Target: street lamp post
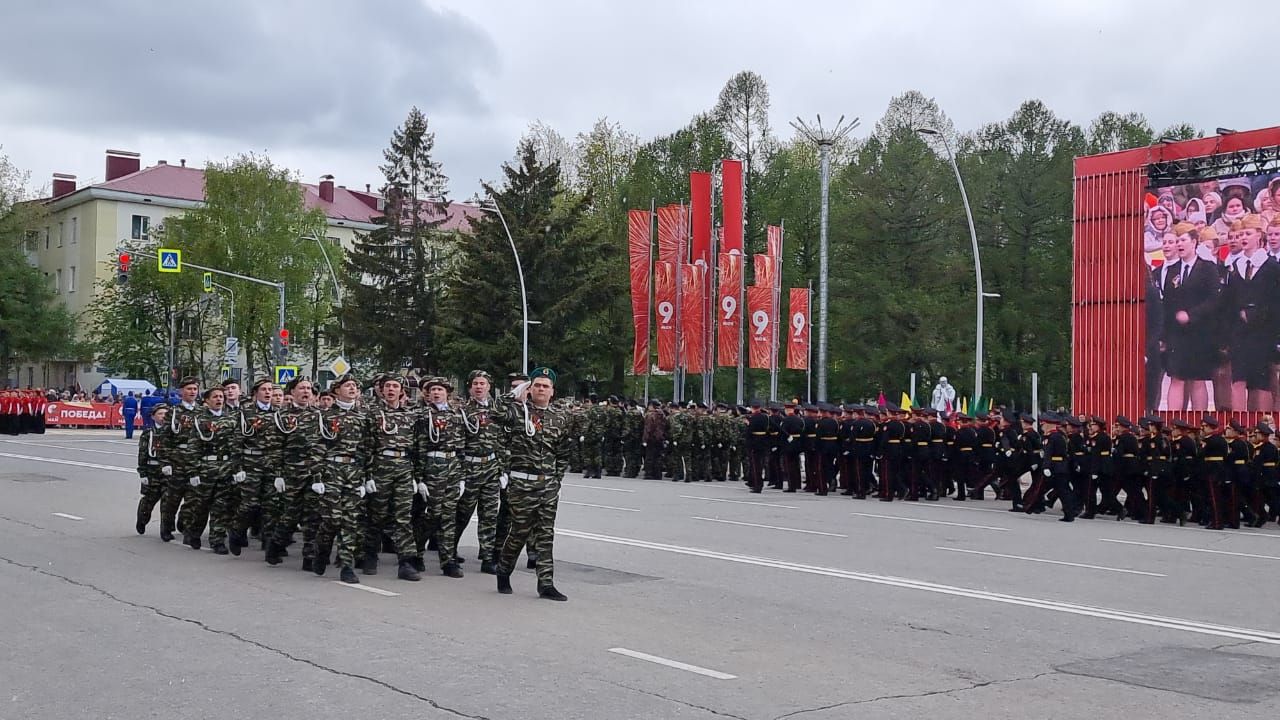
524,298
977,260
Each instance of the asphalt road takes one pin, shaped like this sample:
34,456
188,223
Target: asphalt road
686,601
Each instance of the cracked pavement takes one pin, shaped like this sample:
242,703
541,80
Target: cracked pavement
103,623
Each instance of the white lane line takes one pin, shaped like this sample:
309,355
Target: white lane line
1190,549
1232,532
597,487
931,522
77,463
1193,626
673,664
64,447
739,502
602,507
938,506
768,527
69,517
368,588
1051,562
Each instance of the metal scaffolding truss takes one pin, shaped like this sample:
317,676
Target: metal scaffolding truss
1209,167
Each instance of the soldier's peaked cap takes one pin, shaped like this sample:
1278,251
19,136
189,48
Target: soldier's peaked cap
1209,420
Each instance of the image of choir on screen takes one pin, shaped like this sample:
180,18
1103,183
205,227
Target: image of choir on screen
1212,254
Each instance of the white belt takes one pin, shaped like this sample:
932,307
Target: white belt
393,453
523,476
212,458
341,459
479,458
250,452
438,454
183,446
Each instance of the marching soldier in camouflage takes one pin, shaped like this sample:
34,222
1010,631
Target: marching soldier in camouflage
181,454
653,438
342,433
437,446
612,437
591,437
260,443
576,427
151,457
212,498
539,448
483,463
632,445
389,432
678,438
297,497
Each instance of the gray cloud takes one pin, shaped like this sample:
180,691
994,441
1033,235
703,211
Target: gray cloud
315,73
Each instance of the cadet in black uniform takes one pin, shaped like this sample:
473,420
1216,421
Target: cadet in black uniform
776,441
1213,472
828,430
1029,453
965,464
1126,471
862,452
792,433
758,445
1054,471
1184,455
1266,476
1239,457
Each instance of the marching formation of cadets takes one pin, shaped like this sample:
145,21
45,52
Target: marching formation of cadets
360,475
22,412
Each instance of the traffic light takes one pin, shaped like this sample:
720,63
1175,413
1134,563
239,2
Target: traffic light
122,268
281,342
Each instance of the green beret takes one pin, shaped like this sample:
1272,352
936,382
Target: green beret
205,395
189,380
348,377
259,383
543,372
392,377
478,373
158,408
294,383
434,381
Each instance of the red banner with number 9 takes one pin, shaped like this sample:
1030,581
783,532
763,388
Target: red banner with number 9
729,345
760,327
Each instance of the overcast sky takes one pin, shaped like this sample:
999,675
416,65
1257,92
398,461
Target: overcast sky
320,85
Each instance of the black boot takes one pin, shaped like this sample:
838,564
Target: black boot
532,562
192,541
406,571
550,592
320,564
348,576
141,525
308,564
220,549
431,543
418,563
166,535
451,570
504,584
369,566
489,567
273,556
459,559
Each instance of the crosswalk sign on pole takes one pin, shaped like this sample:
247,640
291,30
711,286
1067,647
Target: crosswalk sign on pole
285,373
207,281
169,260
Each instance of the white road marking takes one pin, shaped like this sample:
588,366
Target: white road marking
1189,549
769,527
597,487
64,447
368,588
77,463
1232,532
69,517
1051,562
940,506
1194,626
931,522
739,502
602,507
673,664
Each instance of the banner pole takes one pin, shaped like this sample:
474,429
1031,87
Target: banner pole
776,311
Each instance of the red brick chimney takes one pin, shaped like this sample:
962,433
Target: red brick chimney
121,163
63,184
326,188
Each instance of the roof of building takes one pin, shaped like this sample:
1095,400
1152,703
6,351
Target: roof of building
187,184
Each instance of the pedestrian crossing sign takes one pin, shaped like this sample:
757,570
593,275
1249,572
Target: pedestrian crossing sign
285,373
170,260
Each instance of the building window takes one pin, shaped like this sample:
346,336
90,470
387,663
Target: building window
62,233
33,241
57,281
71,279
75,230
47,233
141,226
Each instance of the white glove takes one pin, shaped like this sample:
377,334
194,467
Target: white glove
167,470
360,491
195,481
1093,477
1008,453
503,480
422,490
644,444
145,482
719,445
462,486
238,477
674,443
519,390
582,438
279,483
1048,472
317,488
370,487
704,447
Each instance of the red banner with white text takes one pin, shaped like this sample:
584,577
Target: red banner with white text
798,330
87,414
670,234
729,311
761,351
664,296
765,271
638,229
731,197
693,329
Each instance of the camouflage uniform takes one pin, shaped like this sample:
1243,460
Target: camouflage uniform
389,434
215,499
301,454
437,444
181,452
632,447
591,434
678,438
151,457
342,436
260,443
701,447
483,461
575,427
612,439
539,451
